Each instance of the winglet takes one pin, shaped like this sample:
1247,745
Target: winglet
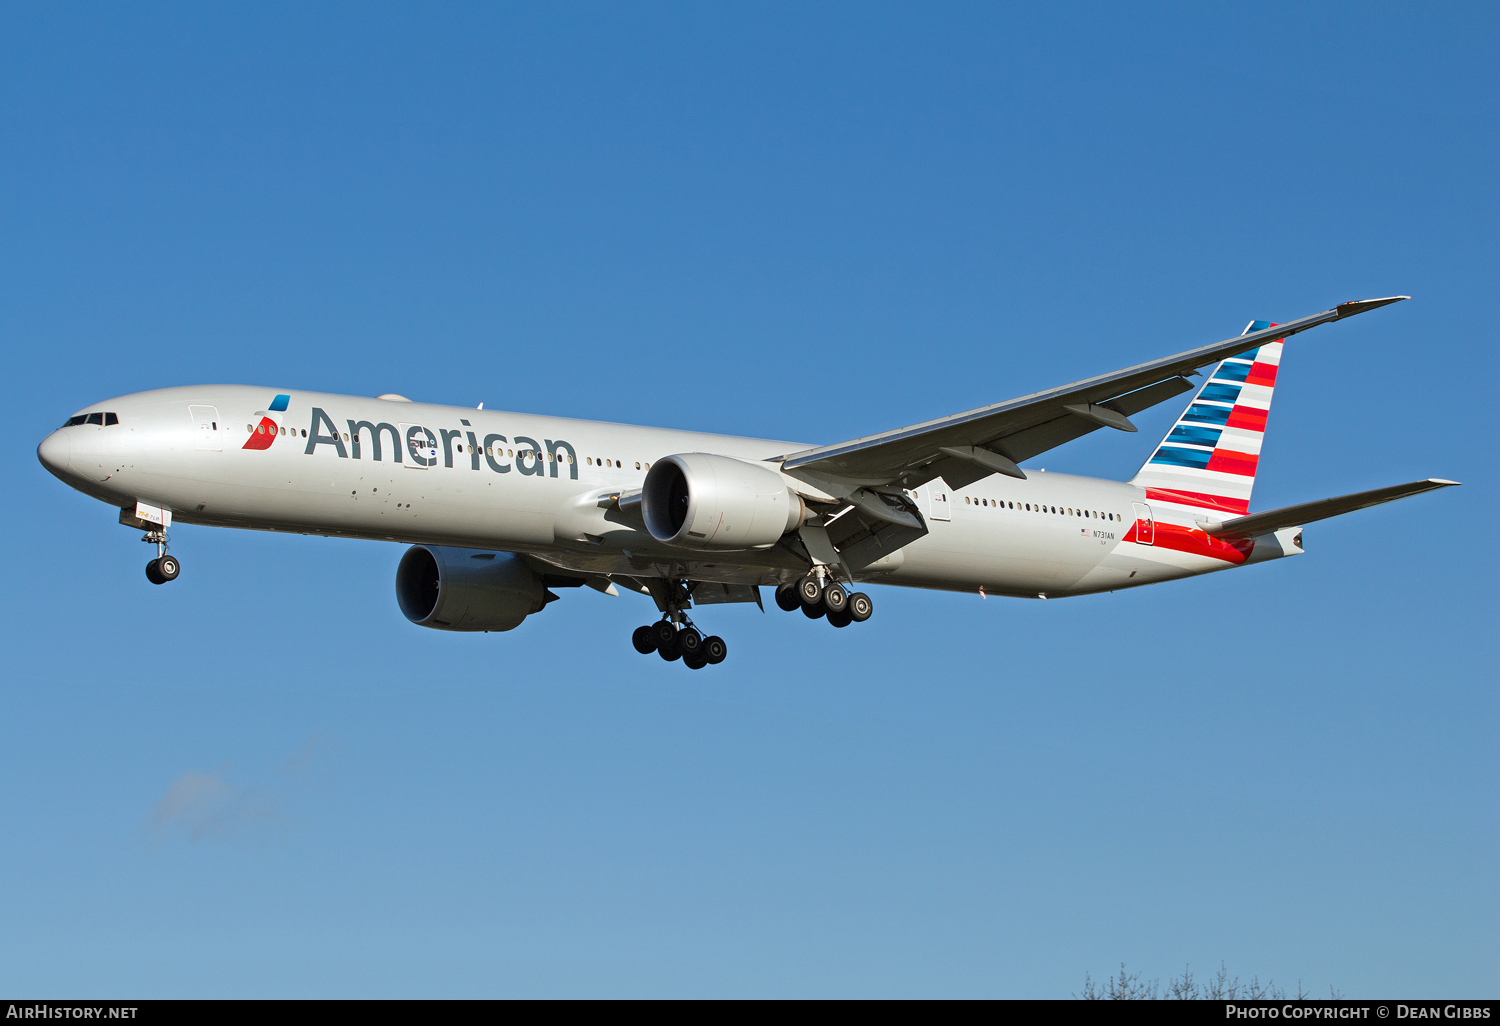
1359,306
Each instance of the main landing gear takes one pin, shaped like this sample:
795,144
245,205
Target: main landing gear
673,640
826,598
163,568
674,637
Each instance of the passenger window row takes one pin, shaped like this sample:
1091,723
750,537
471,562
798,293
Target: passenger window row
595,461
1027,507
102,419
261,430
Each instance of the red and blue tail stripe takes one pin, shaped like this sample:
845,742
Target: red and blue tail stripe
1209,458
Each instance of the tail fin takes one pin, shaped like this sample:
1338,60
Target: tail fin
1208,459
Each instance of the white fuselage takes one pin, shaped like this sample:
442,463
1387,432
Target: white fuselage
184,449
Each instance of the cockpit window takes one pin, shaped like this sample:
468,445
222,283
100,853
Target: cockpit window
101,419
75,421
110,418
96,418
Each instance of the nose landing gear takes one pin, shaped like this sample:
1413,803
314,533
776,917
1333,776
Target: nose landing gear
163,568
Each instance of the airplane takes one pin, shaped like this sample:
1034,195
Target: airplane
500,508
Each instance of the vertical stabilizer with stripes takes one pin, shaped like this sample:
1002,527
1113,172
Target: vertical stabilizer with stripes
1207,461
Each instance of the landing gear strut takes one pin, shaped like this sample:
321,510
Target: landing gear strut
163,568
674,637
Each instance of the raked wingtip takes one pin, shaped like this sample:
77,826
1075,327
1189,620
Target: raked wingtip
1359,306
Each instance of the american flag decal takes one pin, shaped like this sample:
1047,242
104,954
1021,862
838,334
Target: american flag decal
1209,458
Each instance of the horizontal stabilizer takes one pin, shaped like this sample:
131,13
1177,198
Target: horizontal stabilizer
1322,509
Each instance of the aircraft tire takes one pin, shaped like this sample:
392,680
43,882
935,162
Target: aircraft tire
860,607
669,653
697,661
689,642
786,598
813,612
167,568
644,640
840,618
714,649
665,634
810,591
153,574
835,599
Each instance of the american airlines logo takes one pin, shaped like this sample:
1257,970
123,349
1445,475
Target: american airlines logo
418,446
264,433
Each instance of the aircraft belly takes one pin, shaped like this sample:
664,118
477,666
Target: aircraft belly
1025,562
1130,565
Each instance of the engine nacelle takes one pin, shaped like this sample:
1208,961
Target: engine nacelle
466,589
702,501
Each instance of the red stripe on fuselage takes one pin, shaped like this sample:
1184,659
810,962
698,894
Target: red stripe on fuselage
1201,499
1198,543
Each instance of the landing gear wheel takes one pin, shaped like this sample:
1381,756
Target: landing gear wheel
689,642
835,599
810,591
813,612
840,619
167,568
665,635
153,574
860,607
714,649
786,598
697,661
669,653
644,640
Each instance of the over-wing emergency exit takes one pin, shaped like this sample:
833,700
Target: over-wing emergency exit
501,508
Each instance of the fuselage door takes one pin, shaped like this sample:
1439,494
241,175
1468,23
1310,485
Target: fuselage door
1145,527
205,428
937,500
421,446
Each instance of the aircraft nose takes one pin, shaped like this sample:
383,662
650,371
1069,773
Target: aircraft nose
54,452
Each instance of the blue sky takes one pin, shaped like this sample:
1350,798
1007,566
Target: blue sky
795,222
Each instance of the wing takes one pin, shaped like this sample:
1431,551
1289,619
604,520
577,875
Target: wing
992,439
1322,509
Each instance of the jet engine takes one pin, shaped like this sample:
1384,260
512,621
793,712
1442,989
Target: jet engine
466,589
702,501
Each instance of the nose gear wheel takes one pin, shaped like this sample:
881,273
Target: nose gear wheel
163,568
